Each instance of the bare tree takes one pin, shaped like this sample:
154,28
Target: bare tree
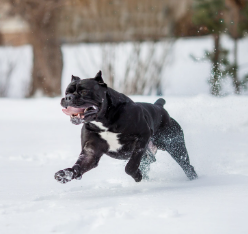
42,17
108,62
144,75
234,10
1,38
98,21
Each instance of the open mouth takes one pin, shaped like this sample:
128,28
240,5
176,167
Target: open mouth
80,113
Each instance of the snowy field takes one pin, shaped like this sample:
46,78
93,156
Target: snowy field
37,140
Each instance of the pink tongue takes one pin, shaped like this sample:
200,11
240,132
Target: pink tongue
72,110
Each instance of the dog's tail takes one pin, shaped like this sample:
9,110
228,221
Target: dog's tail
160,102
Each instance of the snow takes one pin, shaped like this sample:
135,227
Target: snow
16,66
180,75
184,76
37,140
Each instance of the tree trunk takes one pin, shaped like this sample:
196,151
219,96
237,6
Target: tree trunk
47,63
234,15
235,70
215,79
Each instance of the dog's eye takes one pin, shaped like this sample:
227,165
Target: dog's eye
84,92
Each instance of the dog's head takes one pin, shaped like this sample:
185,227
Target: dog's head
83,98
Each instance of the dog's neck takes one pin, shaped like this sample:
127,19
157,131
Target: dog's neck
112,102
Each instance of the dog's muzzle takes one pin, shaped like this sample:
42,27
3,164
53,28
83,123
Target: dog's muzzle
79,114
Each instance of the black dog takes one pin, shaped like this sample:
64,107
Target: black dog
120,128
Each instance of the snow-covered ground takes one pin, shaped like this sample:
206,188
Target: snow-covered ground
36,140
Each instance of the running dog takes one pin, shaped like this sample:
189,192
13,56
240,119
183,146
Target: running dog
116,126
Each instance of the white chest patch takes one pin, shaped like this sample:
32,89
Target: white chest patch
110,137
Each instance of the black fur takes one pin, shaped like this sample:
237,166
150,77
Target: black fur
141,128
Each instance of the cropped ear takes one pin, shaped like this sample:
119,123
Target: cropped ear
98,77
74,78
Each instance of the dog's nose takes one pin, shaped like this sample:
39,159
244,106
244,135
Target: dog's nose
69,97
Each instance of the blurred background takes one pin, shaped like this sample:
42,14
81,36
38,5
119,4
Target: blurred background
158,47
190,51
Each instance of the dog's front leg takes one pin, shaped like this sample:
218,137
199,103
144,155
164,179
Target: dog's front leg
87,160
132,167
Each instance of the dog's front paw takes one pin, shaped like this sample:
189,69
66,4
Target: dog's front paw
64,176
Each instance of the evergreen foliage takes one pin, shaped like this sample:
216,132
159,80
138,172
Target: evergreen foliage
210,15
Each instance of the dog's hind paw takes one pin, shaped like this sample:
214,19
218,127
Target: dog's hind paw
64,176
190,173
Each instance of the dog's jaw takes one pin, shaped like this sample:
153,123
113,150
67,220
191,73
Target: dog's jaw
80,115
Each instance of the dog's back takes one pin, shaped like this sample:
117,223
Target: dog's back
156,116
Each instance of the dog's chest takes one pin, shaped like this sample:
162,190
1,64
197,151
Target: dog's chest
111,137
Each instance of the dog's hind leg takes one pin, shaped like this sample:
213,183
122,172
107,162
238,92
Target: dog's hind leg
171,139
147,159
